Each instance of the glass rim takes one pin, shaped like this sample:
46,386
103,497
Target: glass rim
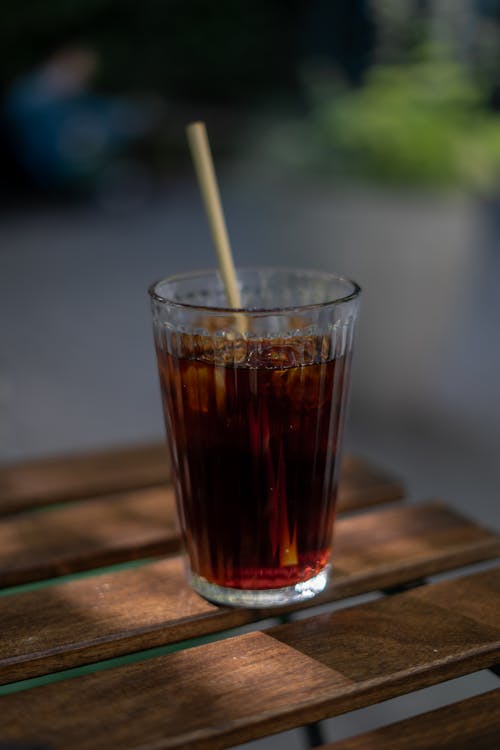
354,293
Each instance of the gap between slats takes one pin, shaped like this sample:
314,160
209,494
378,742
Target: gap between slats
470,723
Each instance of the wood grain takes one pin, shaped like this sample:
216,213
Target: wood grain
99,531
112,614
33,484
472,723
30,484
87,534
248,686
362,484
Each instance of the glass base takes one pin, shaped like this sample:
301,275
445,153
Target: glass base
261,598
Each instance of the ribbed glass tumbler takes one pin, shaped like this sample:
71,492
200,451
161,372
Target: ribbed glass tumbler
254,403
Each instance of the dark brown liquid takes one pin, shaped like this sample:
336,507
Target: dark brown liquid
253,450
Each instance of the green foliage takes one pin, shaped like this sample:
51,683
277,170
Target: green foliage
422,124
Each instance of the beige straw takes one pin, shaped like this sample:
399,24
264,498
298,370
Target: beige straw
202,158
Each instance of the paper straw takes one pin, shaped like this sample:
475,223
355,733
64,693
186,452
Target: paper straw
202,158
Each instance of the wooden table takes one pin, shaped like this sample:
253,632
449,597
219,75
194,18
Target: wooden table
102,644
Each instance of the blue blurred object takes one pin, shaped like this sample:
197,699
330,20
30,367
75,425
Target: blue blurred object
62,133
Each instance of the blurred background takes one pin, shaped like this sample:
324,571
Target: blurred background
355,136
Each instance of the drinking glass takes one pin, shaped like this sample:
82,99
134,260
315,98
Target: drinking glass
254,402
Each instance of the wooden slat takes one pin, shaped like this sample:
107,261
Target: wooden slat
362,484
30,484
37,483
87,534
104,616
471,723
245,687
100,531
